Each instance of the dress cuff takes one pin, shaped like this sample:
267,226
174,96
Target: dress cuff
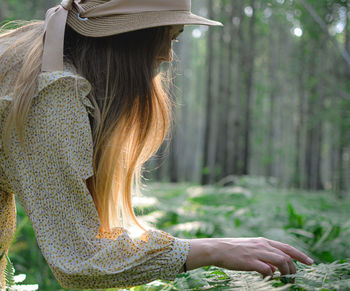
175,257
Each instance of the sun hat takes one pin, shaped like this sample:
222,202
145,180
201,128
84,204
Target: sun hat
99,18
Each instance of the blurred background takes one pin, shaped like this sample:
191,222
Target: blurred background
261,136
266,95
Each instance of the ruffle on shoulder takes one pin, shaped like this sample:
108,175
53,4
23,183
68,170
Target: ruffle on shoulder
46,79
82,85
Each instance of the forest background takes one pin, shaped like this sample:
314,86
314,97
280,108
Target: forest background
264,100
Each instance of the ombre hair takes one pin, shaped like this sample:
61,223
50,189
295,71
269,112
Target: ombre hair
132,109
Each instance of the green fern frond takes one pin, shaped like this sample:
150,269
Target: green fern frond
214,278
9,273
247,281
252,282
334,276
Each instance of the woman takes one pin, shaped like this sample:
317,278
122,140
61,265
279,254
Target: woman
82,108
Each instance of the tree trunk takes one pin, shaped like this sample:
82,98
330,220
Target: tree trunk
237,126
206,174
314,131
249,90
187,149
227,129
3,10
273,94
222,97
298,177
342,142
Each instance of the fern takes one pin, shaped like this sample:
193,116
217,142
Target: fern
206,211
244,281
9,273
11,279
9,270
322,231
334,276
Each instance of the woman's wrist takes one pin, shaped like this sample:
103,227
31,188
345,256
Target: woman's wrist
202,253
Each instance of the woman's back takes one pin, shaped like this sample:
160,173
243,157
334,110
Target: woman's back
48,175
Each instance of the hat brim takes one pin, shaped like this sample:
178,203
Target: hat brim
116,24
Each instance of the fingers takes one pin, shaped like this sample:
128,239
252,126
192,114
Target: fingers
276,257
292,267
285,259
263,268
280,257
281,262
259,254
291,251
273,268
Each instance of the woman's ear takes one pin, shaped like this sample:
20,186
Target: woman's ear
165,53
171,33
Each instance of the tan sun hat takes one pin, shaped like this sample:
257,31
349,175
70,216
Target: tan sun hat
99,18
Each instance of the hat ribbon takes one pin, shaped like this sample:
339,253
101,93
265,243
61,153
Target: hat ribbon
54,28
56,19
114,7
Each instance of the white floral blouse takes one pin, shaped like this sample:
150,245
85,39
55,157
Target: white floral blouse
48,176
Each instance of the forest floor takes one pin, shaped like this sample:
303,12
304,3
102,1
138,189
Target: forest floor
316,223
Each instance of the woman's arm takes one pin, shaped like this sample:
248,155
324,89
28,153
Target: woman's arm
245,254
48,174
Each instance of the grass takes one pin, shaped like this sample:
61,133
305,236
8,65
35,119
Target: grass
314,222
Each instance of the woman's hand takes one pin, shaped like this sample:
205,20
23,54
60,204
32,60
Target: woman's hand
245,254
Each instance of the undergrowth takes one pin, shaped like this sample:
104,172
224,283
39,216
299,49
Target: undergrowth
334,276
314,222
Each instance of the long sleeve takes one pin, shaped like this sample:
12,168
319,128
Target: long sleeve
48,176
7,227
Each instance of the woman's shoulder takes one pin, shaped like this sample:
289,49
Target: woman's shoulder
68,80
58,79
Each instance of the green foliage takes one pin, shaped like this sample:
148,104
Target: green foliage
26,255
11,279
295,220
9,273
314,222
335,276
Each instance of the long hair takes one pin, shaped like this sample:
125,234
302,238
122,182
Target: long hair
132,110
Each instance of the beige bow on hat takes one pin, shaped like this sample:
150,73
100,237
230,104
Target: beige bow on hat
98,18
55,25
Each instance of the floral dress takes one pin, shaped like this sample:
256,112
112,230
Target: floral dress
47,175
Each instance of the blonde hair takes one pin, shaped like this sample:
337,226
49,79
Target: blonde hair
132,110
